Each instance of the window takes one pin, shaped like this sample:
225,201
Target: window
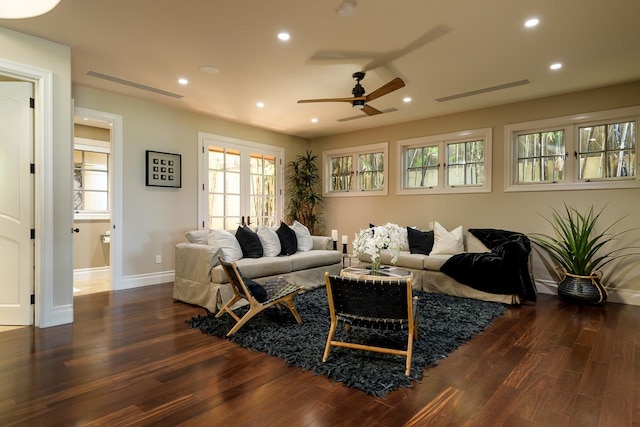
458,162
587,151
243,181
367,163
90,179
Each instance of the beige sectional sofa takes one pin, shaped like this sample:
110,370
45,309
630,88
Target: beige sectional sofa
427,274
199,280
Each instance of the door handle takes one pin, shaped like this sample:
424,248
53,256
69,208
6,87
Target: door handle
75,230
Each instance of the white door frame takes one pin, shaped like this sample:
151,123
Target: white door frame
115,175
43,191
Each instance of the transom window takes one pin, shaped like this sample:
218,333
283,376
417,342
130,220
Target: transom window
595,150
368,164
455,162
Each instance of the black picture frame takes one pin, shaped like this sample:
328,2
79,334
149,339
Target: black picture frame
163,169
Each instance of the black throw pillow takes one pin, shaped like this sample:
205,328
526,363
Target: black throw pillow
288,239
256,289
249,242
420,242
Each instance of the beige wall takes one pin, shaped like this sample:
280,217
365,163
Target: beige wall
514,211
45,55
155,219
88,249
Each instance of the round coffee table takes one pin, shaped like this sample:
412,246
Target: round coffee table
386,273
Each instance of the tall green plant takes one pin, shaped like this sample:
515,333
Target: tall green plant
303,196
577,246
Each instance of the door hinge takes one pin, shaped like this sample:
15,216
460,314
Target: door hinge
33,299
33,233
202,224
33,168
32,103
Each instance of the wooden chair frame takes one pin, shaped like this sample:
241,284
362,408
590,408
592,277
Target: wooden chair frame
367,314
278,292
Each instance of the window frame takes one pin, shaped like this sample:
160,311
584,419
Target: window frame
355,152
96,146
442,141
570,125
244,146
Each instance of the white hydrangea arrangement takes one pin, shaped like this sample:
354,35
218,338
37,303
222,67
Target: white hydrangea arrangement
371,241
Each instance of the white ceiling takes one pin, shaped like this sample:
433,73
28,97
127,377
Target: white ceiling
440,48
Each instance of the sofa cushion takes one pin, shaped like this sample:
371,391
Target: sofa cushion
434,262
406,260
447,242
270,241
305,243
255,268
288,239
228,243
474,245
420,242
249,242
312,259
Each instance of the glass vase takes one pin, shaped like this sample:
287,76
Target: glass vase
375,265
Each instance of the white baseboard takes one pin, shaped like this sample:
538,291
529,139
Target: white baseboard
622,296
60,315
84,274
141,280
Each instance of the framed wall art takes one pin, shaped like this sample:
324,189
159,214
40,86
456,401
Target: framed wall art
163,169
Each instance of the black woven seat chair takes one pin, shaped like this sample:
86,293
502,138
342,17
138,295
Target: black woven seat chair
275,292
376,304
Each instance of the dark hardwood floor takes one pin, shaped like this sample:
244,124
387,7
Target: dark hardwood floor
128,359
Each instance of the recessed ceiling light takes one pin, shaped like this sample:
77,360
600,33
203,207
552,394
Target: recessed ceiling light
260,104
284,36
183,81
314,120
529,23
209,70
555,66
406,99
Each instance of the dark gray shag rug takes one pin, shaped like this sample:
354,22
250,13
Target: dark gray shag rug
444,323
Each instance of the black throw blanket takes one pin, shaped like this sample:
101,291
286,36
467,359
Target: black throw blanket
504,270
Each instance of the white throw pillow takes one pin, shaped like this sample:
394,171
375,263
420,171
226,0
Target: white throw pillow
447,242
228,243
198,236
305,242
270,241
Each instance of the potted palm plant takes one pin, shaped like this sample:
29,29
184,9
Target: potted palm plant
304,197
581,251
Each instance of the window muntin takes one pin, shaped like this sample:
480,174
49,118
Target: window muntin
541,157
90,181
263,189
586,151
607,151
368,163
448,163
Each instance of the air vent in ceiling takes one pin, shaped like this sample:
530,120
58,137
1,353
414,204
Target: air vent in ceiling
484,90
133,84
361,116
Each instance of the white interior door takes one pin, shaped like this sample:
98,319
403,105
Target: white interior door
16,204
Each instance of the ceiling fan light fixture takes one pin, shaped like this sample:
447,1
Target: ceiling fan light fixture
358,104
347,7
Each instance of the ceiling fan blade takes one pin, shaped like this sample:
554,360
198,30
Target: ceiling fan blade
369,110
394,84
351,99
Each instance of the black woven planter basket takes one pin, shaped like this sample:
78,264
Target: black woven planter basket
582,289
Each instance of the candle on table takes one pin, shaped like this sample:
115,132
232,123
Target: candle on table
334,235
345,239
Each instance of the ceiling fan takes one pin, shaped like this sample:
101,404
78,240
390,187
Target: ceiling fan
359,99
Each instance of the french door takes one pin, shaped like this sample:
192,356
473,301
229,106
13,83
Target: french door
241,183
